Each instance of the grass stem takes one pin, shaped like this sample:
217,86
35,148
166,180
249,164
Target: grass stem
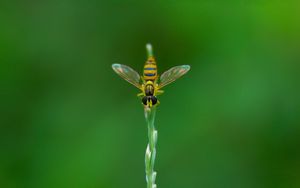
149,50
151,150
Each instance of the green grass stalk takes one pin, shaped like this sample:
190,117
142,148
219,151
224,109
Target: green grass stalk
151,147
149,50
152,138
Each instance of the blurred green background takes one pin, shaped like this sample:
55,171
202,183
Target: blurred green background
67,120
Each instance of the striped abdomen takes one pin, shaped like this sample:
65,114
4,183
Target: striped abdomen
150,69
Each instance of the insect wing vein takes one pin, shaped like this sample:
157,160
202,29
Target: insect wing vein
173,74
127,74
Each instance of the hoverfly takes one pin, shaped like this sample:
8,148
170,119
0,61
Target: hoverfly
149,83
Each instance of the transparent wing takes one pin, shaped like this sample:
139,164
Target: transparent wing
173,74
127,74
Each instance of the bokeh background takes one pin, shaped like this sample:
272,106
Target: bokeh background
67,120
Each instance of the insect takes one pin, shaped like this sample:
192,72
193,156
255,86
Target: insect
150,83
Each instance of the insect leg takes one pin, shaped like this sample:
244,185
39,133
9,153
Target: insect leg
158,103
140,94
159,92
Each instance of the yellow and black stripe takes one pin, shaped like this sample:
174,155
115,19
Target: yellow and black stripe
150,69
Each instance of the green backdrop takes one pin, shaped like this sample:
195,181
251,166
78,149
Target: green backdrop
67,120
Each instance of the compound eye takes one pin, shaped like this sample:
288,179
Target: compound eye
144,100
154,100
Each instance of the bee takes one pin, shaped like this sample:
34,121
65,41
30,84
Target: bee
150,83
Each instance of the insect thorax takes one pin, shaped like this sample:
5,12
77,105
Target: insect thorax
149,88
